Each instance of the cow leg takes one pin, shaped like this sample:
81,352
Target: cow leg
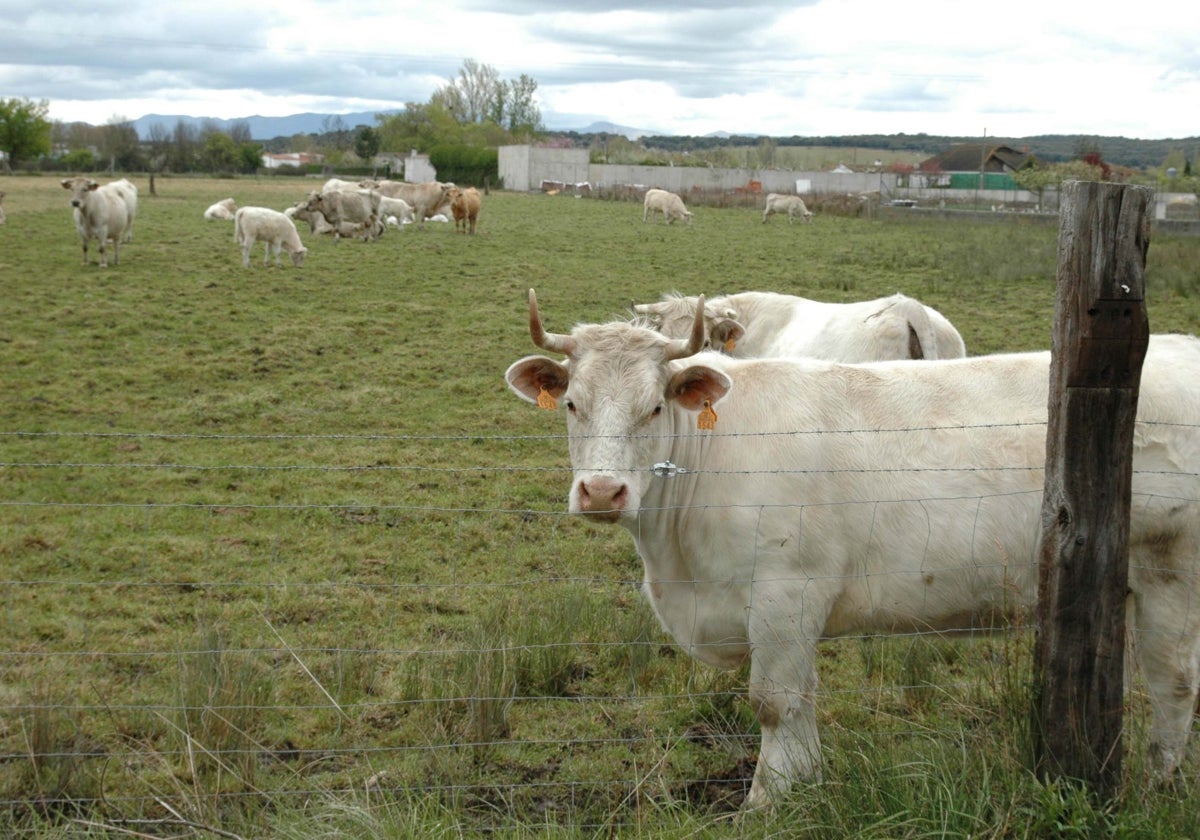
116,249
1167,639
783,685
102,247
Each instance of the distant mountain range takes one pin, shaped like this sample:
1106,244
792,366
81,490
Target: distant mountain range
268,128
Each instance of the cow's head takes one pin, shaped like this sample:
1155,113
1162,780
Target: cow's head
673,316
624,400
79,188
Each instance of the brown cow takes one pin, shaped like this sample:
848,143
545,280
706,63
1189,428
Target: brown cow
464,205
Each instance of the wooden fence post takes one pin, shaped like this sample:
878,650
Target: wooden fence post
1099,342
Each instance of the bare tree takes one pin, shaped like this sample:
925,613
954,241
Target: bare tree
479,86
239,132
523,115
335,127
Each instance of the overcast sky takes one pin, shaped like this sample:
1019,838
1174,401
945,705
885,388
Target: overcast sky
806,67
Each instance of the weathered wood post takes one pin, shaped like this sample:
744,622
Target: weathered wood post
1099,342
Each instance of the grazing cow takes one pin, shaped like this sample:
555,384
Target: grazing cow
670,204
464,205
223,209
837,500
426,199
359,208
2,218
793,205
765,325
101,213
274,229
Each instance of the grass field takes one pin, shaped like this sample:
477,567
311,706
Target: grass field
285,558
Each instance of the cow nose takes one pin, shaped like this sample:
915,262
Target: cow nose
603,498
75,203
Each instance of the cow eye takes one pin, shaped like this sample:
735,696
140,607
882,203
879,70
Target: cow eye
657,411
570,406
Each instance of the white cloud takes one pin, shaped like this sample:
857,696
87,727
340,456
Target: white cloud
690,67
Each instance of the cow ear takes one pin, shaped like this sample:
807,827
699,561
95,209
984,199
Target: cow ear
727,333
694,386
532,375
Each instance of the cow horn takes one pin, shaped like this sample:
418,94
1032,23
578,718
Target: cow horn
685,347
553,342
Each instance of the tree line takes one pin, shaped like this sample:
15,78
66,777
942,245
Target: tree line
478,109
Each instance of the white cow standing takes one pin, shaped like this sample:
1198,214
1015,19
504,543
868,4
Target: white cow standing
769,325
833,500
101,212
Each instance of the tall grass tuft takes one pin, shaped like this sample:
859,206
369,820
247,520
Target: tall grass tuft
224,698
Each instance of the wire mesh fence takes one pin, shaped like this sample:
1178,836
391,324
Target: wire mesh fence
207,620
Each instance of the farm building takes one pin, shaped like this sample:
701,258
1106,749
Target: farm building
960,166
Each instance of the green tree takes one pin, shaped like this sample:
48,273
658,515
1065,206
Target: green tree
219,154
249,157
24,129
366,143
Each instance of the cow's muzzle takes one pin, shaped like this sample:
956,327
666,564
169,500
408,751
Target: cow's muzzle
603,498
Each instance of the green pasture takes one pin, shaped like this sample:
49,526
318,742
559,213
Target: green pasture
283,557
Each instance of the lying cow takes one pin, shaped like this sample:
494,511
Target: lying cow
357,208
275,230
101,212
667,203
793,205
223,209
766,325
319,226
839,500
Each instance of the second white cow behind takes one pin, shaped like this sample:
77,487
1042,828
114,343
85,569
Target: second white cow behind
669,204
793,205
277,231
765,325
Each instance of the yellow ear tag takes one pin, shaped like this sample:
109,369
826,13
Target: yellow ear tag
707,418
729,345
546,400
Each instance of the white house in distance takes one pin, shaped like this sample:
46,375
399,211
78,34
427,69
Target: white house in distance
274,161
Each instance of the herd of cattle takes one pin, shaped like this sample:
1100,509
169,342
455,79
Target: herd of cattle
344,209
838,496
105,212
